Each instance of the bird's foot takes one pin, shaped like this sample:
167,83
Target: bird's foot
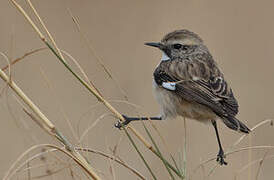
220,158
121,124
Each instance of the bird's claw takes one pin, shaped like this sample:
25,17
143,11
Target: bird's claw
121,124
221,158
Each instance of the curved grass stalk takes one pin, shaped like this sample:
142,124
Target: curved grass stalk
237,142
114,159
252,163
49,127
22,57
91,89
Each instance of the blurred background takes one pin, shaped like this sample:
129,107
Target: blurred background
239,34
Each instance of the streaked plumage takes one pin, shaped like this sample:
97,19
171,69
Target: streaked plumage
188,83
201,91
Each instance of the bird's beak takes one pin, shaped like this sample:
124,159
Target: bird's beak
155,44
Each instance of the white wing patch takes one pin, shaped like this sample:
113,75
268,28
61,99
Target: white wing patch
164,57
194,78
169,85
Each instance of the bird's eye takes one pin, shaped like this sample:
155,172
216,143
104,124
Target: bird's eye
177,46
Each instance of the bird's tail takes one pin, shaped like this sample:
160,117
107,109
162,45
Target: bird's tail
235,124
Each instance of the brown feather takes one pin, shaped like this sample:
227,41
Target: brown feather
201,91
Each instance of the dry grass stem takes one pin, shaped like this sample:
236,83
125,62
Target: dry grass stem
28,102
236,151
62,111
92,126
260,165
28,161
22,57
78,66
252,129
51,127
91,89
161,136
45,28
48,125
93,52
8,62
49,173
76,159
114,159
238,141
127,102
249,159
11,171
252,163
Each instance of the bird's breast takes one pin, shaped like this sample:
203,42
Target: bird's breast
173,105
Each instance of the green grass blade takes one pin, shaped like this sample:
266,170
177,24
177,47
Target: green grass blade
69,68
175,164
140,154
87,86
159,152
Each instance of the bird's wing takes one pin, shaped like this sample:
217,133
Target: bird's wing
213,92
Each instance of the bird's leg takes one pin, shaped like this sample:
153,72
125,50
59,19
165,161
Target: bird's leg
120,124
221,155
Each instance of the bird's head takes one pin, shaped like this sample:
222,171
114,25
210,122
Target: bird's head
178,44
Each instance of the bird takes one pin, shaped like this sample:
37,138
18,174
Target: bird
188,83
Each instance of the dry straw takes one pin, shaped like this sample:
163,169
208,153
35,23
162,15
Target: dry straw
72,151
88,86
49,127
46,123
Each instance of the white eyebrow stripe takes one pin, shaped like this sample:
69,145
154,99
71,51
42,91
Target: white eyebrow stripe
164,57
169,85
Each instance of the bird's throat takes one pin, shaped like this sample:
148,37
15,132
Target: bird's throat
164,57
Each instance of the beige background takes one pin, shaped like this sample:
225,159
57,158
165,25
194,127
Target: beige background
239,34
